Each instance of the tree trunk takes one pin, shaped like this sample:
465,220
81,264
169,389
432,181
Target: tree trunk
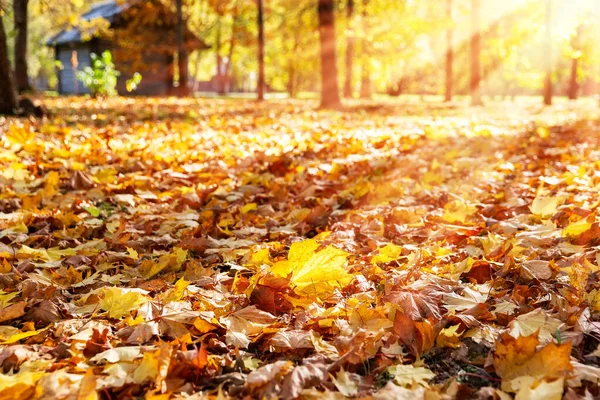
365,75
291,84
548,55
330,96
475,53
20,21
182,56
292,67
225,66
349,50
260,84
573,84
228,81
8,90
220,69
449,54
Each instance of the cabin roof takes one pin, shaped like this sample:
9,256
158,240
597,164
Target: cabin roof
108,10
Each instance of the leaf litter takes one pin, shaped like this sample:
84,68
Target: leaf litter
167,248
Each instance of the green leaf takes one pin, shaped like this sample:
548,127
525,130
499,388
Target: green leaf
94,212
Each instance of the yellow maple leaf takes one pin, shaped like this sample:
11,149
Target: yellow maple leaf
577,228
593,299
545,206
259,257
314,272
390,252
148,368
133,253
119,302
458,211
407,375
87,388
20,385
248,208
449,337
176,293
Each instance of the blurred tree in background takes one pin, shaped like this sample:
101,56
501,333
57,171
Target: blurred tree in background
391,47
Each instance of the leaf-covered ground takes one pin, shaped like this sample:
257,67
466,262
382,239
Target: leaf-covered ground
165,248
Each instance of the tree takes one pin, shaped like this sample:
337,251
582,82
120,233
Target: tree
548,55
21,67
449,53
330,96
573,88
349,49
260,84
8,90
475,52
182,57
365,73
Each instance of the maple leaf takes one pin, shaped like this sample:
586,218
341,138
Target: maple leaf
530,388
390,252
314,273
87,388
20,385
545,206
470,298
345,382
409,375
148,368
517,357
119,302
536,322
301,377
458,211
267,373
449,337
394,392
118,354
577,228
249,321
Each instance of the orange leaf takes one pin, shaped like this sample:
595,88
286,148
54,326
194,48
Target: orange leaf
518,357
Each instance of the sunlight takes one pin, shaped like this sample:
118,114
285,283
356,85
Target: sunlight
299,199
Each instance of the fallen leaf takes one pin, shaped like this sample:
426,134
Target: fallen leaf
314,273
346,383
119,302
409,375
518,357
545,206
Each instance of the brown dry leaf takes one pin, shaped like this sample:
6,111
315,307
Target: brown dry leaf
268,373
13,311
302,377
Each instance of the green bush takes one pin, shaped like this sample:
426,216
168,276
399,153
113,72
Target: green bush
101,77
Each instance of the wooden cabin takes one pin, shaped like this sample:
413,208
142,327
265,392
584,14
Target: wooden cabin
141,35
